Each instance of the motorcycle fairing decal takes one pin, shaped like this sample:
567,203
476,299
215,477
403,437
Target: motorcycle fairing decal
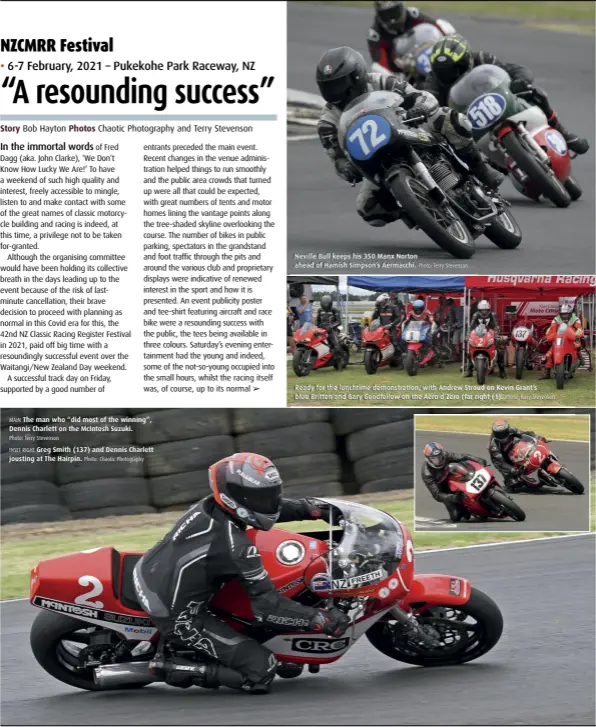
366,136
556,142
423,60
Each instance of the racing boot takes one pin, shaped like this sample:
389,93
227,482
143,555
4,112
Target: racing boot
469,370
545,375
574,142
479,168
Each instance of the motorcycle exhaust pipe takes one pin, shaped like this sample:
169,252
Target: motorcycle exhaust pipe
115,676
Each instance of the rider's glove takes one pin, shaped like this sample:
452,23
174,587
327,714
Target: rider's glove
317,509
331,621
415,112
347,171
519,85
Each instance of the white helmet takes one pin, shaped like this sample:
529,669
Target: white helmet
383,298
484,308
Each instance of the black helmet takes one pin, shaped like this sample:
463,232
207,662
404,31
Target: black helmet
391,15
435,455
326,302
450,59
501,430
342,76
248,486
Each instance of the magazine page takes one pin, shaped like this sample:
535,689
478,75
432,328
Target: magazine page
196,509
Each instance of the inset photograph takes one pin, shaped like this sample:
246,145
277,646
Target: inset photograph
501,340
502,472
415,150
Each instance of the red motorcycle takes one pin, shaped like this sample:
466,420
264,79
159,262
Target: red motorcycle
482,494
313,351
532,457
482,350
565,352
378,349
93,634
524,339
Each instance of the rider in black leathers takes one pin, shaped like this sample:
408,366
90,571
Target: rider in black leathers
451,58
435,474
502,439
484,315
329,318
390,314
208,546
342,76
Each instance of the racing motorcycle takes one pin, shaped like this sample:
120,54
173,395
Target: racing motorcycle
515,135
418,337
565,352
93,634
378,349
532,457
313,351
524,340
483,352
481,494
422,178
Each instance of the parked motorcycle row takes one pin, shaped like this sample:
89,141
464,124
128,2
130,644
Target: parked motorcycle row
433,190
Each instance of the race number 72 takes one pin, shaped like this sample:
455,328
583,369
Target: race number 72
368,129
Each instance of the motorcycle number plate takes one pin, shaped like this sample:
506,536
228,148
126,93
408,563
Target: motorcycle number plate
486,110
412,335
478,482
423,60
366,136
520,334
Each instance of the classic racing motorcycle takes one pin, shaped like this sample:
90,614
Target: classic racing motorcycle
524,339
313,351
378,349
539,466
482,349
482,495
515,135
93,634
418,336
565,351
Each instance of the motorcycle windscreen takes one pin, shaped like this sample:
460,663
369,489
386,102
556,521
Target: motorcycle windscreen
370,548
480,80
415,331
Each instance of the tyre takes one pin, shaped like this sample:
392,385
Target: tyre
302,362
573,189
560,375
34,514
179,490
48,634
460,645
480,365
307,469
411,364
570,482
346,421
520,361
384,438
396,464
508,505
95,494
188,455
549,185
255,420
25,471
286,442
172,425
504,231
25,493
82,471
449,232
386,484
372,356
340,362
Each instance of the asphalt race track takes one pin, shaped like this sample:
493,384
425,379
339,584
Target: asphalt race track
546,509
541,672
321,208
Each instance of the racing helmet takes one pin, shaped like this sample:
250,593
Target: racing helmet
501,430
565,312
249,487
382,300
342,76
391,15
418,307
435,455
450,59
483,309
326,302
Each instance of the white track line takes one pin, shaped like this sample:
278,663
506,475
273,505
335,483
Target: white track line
481,434
439,550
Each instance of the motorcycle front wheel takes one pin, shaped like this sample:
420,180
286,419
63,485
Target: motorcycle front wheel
480,364
520,361
560,375
508,505
504,231
446,229
372,357
467,632
302,363
570,482
411,365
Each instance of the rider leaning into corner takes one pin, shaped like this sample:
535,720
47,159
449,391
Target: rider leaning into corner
393,19
503,437
566,315
329,319
342,76
206,548
435,475
451,58
485,316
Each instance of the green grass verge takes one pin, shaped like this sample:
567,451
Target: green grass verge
582,11
552,427
321,388
20,551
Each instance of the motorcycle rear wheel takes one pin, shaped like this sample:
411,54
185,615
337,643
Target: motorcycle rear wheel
486,633
300,362
480,364
520,360
411,365
549,185
340,362
504,232
408,191
573,188
48,633
560,375
571,482
371,360
507,504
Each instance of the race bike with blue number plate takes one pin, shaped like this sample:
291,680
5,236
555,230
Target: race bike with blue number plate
432,189
515,135
93,633
418,337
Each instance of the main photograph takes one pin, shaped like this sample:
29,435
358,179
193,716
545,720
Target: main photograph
422,140
184,550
